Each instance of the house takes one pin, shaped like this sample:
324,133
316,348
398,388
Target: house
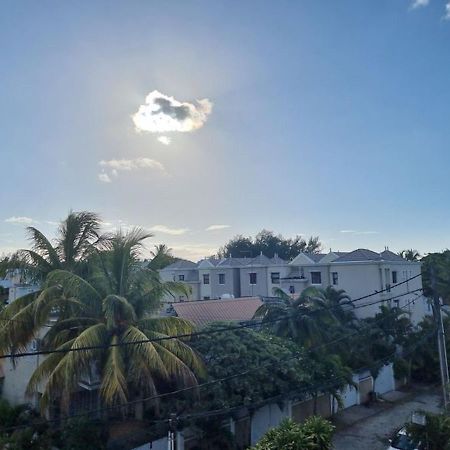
360,272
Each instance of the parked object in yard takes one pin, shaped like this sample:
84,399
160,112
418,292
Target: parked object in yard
402,441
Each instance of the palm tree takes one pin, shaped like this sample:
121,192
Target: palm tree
76,239
161,257
111,312
306,319
410,255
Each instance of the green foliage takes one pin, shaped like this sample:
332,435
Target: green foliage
114,305
83,434
26,439
410,254
161,257
269,244
440,262
436,432
315,434
320,431
9,415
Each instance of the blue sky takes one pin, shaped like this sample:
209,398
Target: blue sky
328,118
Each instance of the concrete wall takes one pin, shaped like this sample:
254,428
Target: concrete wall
385,381
229,287
16,379
267,417
260,288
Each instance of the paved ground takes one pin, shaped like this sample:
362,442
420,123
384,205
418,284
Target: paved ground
376,424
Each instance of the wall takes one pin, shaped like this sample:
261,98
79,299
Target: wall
217,290
267,417
17,377
260,288
385,381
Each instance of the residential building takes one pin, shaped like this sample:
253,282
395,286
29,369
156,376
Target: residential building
360,272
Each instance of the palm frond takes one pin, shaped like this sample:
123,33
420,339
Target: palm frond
114,386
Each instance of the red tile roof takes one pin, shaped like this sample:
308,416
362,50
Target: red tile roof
206,311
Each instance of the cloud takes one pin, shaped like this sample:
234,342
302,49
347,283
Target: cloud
447,11
104,177
193,251
126,165
21,220
217,227
419,3
167,230
166,140
358,232
162,114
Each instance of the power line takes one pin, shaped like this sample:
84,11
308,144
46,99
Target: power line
316,387
186,335
219,380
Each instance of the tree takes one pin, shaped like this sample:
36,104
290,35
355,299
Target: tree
440,264
161,257
314,434
410,255
435,435
113,308
76,239
306,319
269,244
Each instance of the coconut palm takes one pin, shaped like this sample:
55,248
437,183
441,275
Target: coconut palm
161,257
305,319
75,240
113,312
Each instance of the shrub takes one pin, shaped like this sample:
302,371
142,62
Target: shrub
314,434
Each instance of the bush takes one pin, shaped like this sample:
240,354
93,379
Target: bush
314,434
83,434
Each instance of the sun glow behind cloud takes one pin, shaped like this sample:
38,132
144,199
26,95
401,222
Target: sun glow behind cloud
164,114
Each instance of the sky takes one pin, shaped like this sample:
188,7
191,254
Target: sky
201,120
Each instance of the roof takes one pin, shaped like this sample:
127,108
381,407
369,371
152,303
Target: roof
363,254
278,261
316,257
207,311
232,262
260,260
181,264
387,255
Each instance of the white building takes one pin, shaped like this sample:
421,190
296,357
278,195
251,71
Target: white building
360,272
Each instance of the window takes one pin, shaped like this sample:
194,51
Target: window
275,277
206,298
316,278
206,278
253,278
335,278
180,277
181,298
394,277
221,278
291,289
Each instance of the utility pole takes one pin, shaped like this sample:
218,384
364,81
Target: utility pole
171,435
440,337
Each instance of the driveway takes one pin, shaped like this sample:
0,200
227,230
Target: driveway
373,432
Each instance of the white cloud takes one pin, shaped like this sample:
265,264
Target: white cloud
193,252
358,232
217,227
21,220
447,11
166,140
162,114
167,230
114,166
104,177
117,165
419,3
